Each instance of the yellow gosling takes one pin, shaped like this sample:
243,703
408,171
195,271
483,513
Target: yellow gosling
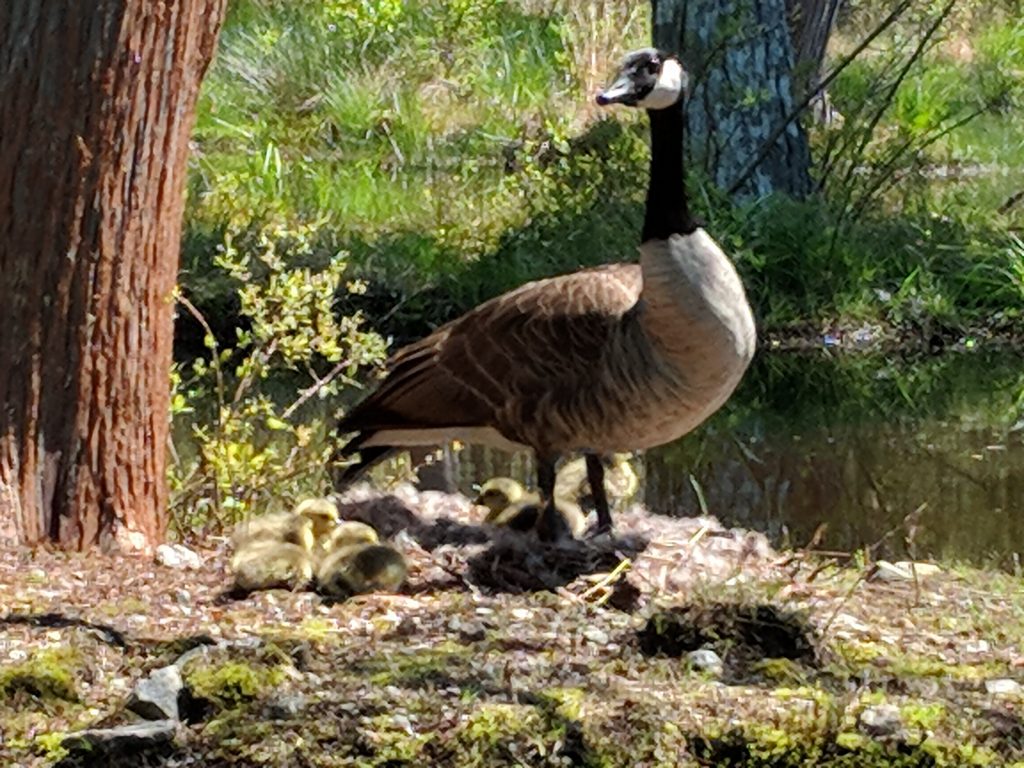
268,564
361,568
512,506
282,527
346,534
321,512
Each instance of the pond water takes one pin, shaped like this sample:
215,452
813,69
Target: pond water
918,455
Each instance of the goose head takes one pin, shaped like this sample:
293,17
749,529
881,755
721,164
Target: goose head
647,78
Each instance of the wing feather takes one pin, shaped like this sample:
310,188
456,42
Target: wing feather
506,353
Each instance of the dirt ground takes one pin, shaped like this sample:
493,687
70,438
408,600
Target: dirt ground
501,651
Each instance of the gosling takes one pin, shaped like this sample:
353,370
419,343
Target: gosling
360,568
279,527
310,522
346,534
269,564
322,513
512,506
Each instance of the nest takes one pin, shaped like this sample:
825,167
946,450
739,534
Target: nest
447,544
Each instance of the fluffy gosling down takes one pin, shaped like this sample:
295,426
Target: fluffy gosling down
310,522
360,568
322,513
268,564
512,506
347,534
277,550
282,527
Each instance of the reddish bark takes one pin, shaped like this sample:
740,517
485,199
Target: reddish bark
96,107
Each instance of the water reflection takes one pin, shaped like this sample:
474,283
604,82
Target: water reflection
859,443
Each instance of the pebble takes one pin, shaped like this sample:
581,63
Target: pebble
156,697
977,646
1002,686
903,571
285,707
706,660
881,720
596,635
179,557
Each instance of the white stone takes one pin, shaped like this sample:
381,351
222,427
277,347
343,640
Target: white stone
903,570
178,556
595,635
706,660
1002,686
881,720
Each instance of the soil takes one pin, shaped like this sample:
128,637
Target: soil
502,651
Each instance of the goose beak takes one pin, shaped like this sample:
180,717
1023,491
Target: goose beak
619,92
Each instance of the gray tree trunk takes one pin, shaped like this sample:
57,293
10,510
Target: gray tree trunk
811,23
741,62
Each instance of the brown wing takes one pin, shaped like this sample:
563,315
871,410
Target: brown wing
508,351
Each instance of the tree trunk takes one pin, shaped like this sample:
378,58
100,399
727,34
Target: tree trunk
741,63
96,106
811,23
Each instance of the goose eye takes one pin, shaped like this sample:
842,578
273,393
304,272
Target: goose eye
653,66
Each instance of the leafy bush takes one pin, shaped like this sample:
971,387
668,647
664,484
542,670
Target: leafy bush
255,438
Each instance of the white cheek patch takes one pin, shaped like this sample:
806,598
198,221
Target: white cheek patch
668,88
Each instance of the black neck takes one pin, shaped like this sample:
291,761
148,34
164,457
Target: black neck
667,212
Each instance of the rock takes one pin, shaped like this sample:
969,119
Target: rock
976,646
851,623
121,741
881,720
596,635
1002,686
903,570
156,697
472,632
178,556
285,707
706,660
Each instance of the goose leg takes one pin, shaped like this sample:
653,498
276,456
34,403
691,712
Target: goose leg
595,476
548,524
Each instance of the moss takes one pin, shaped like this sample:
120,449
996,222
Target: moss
233,683
49,674
922,715
393,741
315,628
784,671
50,746
436,665
567,702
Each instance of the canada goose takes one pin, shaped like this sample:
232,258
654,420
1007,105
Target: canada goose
645,352
360,568
514,507
269,564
